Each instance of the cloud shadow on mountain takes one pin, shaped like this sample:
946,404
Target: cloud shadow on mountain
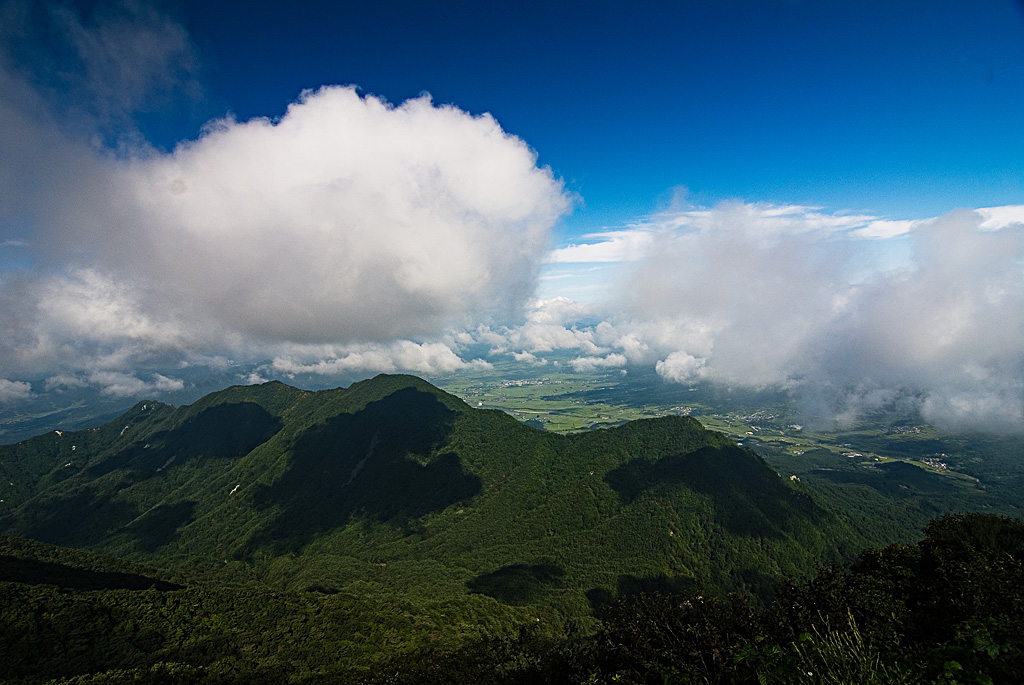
517,584
748,497
628,587
381,463
160,525
221,431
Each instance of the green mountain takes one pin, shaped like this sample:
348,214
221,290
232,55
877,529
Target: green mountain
394,488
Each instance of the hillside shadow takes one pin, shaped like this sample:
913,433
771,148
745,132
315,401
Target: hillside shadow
380,463
160,525
75,520
225,430
893,479
629,587
761,585
517,584
748,498
33,572
90,514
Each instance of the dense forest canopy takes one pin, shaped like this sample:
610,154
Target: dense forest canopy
949,609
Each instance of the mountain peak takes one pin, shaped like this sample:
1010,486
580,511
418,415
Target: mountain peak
385,384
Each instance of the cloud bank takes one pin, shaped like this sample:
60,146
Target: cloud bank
777,304
851,313
11,391
348,221
403,355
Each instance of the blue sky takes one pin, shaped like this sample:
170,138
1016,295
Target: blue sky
826,196
903,109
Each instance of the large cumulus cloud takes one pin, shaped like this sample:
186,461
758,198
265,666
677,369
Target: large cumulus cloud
346,222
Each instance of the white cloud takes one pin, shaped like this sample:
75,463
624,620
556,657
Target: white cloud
747,280
87,305
64,381
761,220
119,384
115,383
347,221
746,300
12,391
883,230
849,313
1000,217
165,384
539,337
402,355
680,367
764,221
528,358
561,324
609,246
80,320
611,361
558,310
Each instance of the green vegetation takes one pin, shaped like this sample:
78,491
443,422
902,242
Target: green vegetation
392,488
949,609
219,634
559,401
946,610
35,563
379,530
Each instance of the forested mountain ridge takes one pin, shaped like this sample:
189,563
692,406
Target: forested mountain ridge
393,487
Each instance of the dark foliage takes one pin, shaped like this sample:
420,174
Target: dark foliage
659,638
160,525
748,500
895,479
34,572
947,610
517,583
380,462
630,587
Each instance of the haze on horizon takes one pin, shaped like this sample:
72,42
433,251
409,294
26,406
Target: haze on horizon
764,193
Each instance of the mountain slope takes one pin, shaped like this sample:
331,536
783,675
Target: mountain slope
393,486
71,614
